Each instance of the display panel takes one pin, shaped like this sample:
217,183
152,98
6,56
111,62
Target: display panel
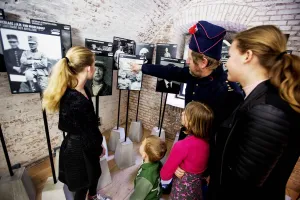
121,46
30,52
145,50
165,50
101,85
169,86
127,79
98,46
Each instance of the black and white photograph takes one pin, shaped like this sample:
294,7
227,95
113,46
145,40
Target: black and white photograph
224,53
66,33
2,16
146,50
122,45
165,50
101,85
169,86
30,52
127,79
98,46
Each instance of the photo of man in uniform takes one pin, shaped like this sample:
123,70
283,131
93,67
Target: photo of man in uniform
12,58
34,66
98,87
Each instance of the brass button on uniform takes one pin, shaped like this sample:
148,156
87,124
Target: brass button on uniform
193,92
197,85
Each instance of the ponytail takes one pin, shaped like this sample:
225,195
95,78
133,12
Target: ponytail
285,75
268,43
64,75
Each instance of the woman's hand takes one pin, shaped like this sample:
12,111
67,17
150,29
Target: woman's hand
103,151
135,67
179,172
207,180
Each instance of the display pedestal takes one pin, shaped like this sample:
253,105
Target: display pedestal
136,131
115,136
105,146
155,131
55,191
124,154
17,187
105,178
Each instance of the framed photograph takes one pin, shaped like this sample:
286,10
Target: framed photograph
98,47
169,86
127,79
145,50
101,85
121,46
30,51
165,50
2,16
66,33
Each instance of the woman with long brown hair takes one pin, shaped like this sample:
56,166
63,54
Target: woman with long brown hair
263,143
79,166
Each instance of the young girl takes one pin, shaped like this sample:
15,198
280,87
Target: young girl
190,154
79,158
147,182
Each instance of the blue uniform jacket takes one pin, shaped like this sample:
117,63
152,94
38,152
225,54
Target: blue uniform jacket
214,90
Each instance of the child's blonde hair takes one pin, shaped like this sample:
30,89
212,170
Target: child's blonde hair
155,148
200,118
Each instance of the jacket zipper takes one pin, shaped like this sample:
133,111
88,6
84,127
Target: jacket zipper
221,173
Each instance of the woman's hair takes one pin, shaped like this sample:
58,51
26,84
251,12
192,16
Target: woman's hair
200,118
64,75
155,148
212,63
269,45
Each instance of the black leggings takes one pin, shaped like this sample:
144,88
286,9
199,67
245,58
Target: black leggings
81,194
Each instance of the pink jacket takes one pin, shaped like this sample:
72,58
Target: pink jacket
190,154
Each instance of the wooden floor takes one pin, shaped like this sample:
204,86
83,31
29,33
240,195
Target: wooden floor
122,180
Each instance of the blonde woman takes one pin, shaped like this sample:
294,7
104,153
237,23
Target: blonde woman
79,158
262,146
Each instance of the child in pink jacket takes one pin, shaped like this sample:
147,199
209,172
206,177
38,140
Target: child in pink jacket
190,154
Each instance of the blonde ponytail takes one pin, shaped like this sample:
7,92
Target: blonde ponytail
64,75
286,76
269,45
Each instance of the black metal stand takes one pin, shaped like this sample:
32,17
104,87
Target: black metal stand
49,144
163,115
138,105
127,114
97,110
161,100
6,153
118,122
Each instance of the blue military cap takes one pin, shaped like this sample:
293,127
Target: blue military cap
207,39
